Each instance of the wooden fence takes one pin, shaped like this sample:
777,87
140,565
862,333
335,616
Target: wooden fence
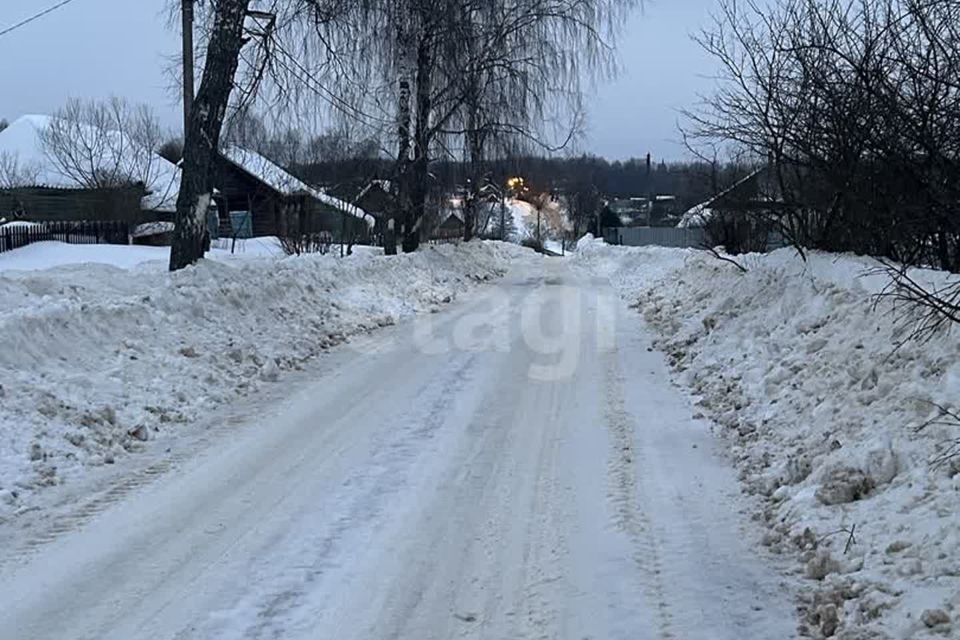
692,238
18,235
446,239
46,204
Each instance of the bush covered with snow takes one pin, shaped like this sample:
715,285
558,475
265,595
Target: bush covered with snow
797,365
96,360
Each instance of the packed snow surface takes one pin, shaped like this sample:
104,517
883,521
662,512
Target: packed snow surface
45,255
107,350
796,362
516,465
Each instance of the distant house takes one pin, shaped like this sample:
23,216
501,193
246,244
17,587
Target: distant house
665,211
48,191
253,196
450,227
257,197
748,193
632,212
377,199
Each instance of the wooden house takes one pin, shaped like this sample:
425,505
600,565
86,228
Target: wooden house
450,227
256,197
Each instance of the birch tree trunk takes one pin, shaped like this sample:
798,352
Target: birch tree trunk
474,142
402,188
203,136
419,174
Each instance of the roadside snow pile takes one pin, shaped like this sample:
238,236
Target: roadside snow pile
95,360
45,255
825,419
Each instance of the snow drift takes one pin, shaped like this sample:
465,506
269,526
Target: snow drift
96,360
796,363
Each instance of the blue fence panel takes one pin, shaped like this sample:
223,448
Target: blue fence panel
656,236
694,238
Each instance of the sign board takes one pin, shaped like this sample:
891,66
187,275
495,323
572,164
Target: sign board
241,223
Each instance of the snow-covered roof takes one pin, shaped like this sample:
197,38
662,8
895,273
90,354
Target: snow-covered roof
18,224
697,216
282,181
151,229
383,185
700,215
451,212
21,143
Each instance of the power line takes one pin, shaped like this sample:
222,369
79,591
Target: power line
37,16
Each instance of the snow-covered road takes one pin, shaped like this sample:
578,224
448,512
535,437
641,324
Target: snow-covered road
516,466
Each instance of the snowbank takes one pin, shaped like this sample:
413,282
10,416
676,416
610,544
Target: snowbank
46,255
798,369
96,360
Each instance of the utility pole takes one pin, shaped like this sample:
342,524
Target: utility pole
539,208
503,217
188,92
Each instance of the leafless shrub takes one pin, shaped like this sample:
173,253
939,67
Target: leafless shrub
949,453
850,533
737,232
712,250
924,312
855,107
297,244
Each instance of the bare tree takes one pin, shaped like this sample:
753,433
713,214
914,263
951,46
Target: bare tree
444,77
924,310
201,146
399,69
14,173
854,105
104,144
583,201
245,129
266,53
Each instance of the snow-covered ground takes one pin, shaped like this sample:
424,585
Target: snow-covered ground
45,255
102,351
516,465
796,364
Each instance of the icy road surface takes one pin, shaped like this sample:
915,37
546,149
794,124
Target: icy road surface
515,467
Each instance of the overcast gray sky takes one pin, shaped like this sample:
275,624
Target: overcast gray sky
98,48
